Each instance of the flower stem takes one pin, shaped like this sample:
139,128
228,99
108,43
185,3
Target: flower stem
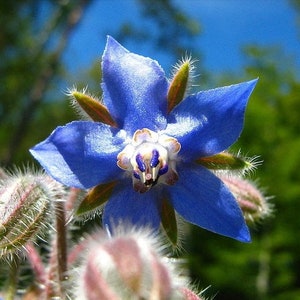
61,244
13,277
36,264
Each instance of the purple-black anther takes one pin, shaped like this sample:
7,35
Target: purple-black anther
154,160
140,162
136,175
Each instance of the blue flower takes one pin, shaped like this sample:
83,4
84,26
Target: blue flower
146,158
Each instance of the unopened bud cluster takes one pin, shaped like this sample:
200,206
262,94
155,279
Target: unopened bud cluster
128,266
24,209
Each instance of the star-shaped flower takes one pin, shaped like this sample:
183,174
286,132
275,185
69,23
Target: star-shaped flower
150,153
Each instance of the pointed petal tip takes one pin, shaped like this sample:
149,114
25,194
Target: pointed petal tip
36,148
31,150
112,43
249,85
244,236
110,39
253,82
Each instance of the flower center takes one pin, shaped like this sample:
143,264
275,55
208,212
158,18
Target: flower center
150,157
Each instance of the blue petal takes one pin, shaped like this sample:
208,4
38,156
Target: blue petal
126,206
209,122
202,199
80,154
134,89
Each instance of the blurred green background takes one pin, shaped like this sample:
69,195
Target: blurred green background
34,38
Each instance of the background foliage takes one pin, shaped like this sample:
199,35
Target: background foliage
32,105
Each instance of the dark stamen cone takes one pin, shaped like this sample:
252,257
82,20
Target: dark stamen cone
178,85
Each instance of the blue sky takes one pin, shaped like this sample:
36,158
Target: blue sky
226,26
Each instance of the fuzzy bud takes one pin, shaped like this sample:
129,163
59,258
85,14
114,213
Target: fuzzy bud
24,210
252,202
127,266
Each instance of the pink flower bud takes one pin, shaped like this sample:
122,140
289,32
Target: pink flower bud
127,266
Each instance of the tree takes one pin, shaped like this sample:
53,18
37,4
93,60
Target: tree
31,54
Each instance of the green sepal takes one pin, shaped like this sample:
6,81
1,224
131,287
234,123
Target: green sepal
178,85
169,222
224,161
96,197
93,108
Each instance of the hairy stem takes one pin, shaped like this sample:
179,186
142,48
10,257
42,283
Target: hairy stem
13,278
36,264
61,245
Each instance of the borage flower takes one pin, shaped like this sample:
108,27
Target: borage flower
149,137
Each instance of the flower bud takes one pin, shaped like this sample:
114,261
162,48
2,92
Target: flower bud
252,202
127,266
24,210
